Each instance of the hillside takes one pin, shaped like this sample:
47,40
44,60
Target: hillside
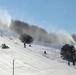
36,32
40,34
31,60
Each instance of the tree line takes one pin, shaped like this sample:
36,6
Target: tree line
38,33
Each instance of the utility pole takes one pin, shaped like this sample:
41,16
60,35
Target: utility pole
13,66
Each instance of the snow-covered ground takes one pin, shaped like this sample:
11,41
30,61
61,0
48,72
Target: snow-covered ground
32,60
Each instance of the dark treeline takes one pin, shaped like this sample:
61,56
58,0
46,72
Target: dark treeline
36,32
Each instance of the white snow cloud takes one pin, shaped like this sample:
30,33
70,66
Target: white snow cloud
5,18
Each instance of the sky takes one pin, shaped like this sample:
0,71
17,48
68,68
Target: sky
52,15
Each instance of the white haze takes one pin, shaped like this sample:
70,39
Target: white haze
5,18
65,37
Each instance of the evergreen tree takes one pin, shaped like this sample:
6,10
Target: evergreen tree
68,53
26,39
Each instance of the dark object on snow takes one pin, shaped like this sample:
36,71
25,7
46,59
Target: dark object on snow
29,45
44,52
24,45
4,46
73,62
69,63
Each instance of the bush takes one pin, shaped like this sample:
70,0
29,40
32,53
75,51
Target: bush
68,52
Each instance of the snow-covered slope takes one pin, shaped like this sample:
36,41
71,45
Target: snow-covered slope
31,60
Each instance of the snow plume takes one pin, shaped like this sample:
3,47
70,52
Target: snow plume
64,37
5,18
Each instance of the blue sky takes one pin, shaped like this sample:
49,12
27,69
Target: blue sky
52,15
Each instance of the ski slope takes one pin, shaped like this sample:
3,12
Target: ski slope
31,60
